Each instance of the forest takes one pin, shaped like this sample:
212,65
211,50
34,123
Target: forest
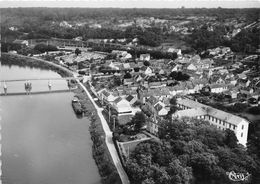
45,23
71,14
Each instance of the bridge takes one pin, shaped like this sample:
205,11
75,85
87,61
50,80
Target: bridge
48,79
27,88
34,93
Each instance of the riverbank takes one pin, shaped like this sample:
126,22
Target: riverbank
100,150
108,138
20,60
103,149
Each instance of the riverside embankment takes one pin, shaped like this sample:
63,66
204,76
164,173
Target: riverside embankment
99,127
43,141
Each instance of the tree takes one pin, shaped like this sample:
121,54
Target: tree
230,138
173,101
10,46
127,75
147,63
45,48
254,138
178,173
179,76
138,121
77,51
203,165
148,181
117,81
191,149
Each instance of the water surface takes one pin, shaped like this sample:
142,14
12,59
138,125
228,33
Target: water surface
43,142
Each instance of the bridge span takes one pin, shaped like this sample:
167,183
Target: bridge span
50,79
34,93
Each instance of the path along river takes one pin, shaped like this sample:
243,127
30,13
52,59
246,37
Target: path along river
43,142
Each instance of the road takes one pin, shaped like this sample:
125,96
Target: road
108,133
109,141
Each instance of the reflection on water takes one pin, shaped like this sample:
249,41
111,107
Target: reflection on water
16,72
43,142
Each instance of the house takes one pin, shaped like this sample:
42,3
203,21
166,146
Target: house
160,109
12,52
131,99
126,66
107,96
158,92
96,26
13,28
204,63
138,78
79,38
150,102
222,120
173,50
216,79
145,57
199,84
242,76
191,67
122,106
176,90
65,24
217,88
220,81
170,82
22,42
223,71
128,82
232,81
99,92
146,70
121,54
233,92
113,66
195,59
177,67
162,72
156,84
243,82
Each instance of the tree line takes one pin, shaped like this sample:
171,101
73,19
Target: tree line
73,14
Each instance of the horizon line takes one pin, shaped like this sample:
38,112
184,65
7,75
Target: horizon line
128,7
133,4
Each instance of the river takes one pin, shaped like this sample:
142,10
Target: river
43,142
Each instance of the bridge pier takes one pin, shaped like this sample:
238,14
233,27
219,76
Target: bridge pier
5,88
5,91
28,87
49,85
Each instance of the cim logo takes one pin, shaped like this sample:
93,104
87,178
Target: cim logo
238,176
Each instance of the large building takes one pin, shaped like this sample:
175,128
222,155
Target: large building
222,120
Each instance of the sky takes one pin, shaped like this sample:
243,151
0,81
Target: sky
135,3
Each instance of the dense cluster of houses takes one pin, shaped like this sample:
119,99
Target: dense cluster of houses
153,82
153,87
